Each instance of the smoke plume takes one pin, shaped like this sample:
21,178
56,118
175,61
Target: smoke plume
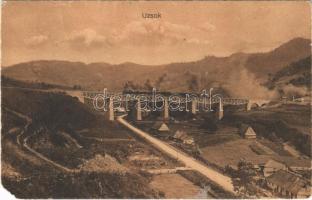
241,83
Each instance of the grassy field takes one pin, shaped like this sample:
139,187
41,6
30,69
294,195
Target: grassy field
116,131
168,184
230,153
286,123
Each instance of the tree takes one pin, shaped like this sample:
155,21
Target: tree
147,85
193,83
77,87
244,178
160,80
130,87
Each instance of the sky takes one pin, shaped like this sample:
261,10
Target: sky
116,32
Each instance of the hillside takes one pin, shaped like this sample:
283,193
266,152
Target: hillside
297,73
285,123
241,69
293,79
263,63
48,123
9,82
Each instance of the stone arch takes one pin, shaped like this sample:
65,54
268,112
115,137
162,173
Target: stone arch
254,106
256,103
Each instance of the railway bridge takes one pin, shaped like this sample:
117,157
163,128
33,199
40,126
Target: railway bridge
195,102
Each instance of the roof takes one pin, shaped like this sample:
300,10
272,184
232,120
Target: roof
157,125
182,135
288,181
294,162
179,134
288,161
247,130
250,131
274,164
259,160
160,126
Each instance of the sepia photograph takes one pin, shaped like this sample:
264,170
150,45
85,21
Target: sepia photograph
156,99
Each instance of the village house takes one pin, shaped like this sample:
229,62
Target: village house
286,184
259,161
182,136
272,166
247,132
284,99
160,129
295,164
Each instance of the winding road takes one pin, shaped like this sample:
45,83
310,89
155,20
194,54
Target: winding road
25,145
223,181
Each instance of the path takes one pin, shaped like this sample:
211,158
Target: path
224,181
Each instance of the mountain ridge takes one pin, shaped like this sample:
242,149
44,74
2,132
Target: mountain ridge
211,71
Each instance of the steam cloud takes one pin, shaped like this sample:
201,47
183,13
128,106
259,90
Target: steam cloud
243,84
291,90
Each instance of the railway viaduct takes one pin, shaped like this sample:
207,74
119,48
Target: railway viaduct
83,96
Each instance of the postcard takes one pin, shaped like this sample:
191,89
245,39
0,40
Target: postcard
156,99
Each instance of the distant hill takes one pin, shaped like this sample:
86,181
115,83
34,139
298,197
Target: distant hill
240,69
263,63
9,82
293,79
297,73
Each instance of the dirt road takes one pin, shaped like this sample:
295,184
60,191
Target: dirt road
24,142
224,181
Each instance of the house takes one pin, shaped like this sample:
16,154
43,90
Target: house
259,161
305,99
284,99
272,166
247,132
182,136
296,164
287,184
160,127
